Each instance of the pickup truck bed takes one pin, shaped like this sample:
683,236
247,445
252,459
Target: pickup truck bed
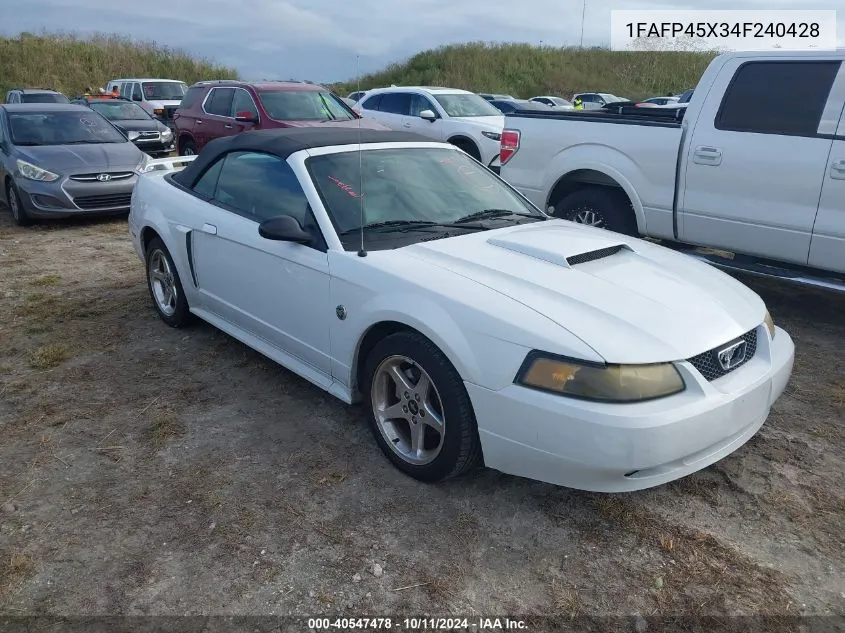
740,169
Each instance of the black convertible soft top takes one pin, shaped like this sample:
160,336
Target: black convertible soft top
283,142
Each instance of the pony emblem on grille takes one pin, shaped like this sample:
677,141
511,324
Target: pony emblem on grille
732,355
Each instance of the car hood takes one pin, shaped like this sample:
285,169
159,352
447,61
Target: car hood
79,159
486,122
142,125
635,302
170,103
366,124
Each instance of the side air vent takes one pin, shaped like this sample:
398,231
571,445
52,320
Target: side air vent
583,258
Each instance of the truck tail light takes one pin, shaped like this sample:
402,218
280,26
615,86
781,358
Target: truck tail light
508,145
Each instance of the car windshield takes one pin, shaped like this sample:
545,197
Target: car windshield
164,90
120,111
304,105
460,104
410,186
686,96
44,97
61,128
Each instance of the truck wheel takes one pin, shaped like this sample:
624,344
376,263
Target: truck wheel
602,207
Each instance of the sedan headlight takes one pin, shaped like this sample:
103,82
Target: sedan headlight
144,166
492,135
598,382
770,324
33,172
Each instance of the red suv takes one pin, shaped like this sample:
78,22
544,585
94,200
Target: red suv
211,109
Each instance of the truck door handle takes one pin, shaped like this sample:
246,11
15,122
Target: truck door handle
705,155
837,169
209,228
228,126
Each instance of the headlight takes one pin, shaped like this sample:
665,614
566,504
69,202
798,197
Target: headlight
770,324
166,134
33,172
492,135
144,166
158,111
602,383
132,135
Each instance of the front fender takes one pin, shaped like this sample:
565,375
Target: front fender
427,317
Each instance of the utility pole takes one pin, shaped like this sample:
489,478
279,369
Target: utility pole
583,13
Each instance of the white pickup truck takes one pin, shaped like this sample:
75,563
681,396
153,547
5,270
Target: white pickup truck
755,165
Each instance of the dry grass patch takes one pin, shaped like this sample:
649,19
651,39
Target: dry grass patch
46,280
565,599
165,426
15,572
699,573
49,356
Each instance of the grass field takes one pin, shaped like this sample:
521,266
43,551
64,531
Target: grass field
525,71
70,64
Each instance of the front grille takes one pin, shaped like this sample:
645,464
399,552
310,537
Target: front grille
103,202
113,175
708,364
583,258
148,136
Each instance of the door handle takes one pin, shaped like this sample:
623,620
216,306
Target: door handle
705,155
406,125
198,122
209,228
837,169
228,126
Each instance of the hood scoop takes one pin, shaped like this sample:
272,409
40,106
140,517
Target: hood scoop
552,248
601,253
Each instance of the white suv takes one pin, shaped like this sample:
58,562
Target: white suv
446,114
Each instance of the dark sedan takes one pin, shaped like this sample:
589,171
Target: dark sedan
148,133
61,160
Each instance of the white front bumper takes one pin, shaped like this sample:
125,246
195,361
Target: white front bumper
624,447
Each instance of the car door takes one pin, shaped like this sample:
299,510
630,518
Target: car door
755,162
216,115
394,109
425,127
276,291
242,103
827,244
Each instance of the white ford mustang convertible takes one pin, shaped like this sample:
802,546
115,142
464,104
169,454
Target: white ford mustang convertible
400,272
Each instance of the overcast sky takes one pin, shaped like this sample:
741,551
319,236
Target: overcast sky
319,39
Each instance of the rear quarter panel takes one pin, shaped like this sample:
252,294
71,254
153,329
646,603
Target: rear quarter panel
642,159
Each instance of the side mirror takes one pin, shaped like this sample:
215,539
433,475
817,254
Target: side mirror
284,228
246,117
428,115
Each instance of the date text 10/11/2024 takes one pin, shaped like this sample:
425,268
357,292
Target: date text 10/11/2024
476,624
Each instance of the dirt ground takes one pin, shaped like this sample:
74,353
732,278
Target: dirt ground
145,470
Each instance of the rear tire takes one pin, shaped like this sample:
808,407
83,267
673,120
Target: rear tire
469,147
187,148
165,286
603,207
426,427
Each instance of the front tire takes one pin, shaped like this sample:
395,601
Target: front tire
165,286
602,207
419,411
469,147
19,214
